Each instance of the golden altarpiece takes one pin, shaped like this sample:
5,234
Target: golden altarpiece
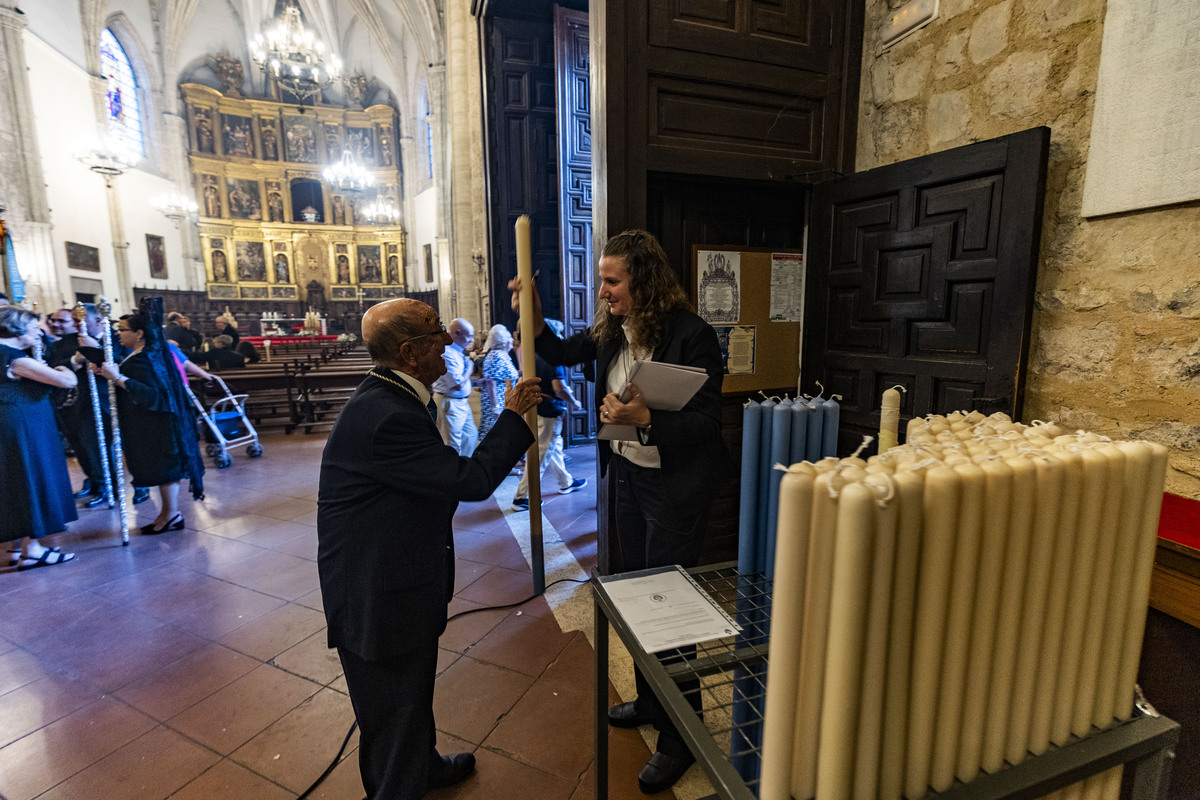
271,228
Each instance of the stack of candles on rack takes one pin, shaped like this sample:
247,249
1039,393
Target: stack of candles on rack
774,431
964,601
777,431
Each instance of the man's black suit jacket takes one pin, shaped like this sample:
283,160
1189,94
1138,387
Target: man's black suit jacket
694,457
389,489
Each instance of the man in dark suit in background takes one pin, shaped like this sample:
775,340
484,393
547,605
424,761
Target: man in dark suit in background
389,489
222,355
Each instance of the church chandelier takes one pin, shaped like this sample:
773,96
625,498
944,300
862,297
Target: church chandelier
293,57
382,212
348,175
106,158
175,206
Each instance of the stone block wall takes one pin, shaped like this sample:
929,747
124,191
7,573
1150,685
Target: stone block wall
1115,345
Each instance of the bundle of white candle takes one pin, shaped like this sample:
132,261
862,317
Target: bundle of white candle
960,603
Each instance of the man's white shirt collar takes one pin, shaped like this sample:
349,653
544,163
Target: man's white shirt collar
421,390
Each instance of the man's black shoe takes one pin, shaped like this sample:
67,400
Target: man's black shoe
662,772
94,500
451,770
625,715
85,491
141,494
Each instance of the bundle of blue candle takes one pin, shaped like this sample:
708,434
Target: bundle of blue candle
777,432
773,432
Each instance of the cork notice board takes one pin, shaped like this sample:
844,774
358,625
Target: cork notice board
754,298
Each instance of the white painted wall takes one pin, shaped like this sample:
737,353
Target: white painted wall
63,119
423,231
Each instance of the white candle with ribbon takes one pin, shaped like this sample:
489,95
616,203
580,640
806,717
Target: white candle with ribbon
787,614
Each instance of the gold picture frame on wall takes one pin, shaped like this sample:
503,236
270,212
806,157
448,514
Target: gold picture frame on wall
82,256
156,252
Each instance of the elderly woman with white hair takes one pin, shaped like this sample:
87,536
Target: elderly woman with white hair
498,367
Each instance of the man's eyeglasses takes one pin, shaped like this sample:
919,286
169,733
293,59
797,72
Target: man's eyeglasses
441,331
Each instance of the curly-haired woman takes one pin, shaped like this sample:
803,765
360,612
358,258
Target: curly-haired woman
664,483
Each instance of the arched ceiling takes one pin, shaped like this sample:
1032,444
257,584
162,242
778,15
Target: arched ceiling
392,41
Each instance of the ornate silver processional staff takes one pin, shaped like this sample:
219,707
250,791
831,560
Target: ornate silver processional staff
118,480
80,315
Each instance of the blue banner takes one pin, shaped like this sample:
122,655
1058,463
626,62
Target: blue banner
16,286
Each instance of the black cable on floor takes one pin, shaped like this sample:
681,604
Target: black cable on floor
354,724
518,603
332,764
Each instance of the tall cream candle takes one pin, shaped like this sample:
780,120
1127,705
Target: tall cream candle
1139,586
889,421
958,625
787,615
1065,552
910,488
875,656
532,455
1091,506
848,604
818,581
998,481
941,502
1129,530
1086,695
1008,617
1047,503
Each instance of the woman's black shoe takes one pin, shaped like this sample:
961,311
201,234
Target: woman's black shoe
175,523
662,772
625,715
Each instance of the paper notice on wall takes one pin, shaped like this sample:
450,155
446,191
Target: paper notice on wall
1145,142
787,287
720,285
737,348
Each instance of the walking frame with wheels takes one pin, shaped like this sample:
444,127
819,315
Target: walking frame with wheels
226,425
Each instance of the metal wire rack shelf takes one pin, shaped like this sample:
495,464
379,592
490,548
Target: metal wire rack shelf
726,680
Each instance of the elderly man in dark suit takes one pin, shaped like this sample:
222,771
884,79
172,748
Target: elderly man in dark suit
389,489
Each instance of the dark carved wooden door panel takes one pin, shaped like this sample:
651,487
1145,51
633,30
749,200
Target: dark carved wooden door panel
922,274
792,33
575,204
522,155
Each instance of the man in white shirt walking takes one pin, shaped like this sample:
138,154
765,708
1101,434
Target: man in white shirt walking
452,392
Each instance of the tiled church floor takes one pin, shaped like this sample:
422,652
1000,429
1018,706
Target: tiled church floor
193,665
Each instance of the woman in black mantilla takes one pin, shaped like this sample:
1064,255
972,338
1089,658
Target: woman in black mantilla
157,427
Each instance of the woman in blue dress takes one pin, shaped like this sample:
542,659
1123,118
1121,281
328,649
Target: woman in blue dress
33,471
498,367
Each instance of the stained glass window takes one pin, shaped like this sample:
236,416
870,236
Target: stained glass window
121,99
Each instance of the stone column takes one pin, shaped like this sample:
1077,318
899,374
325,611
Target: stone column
22,183
468,198
439,111
410,165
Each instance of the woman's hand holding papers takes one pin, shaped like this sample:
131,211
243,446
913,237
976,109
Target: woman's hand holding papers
635,412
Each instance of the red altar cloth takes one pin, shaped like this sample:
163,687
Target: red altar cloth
1180,521
257,341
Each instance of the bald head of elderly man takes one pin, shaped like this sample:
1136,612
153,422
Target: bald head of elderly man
385,554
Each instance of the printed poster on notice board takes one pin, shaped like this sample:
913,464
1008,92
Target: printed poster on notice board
737,348
787,287
720,286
